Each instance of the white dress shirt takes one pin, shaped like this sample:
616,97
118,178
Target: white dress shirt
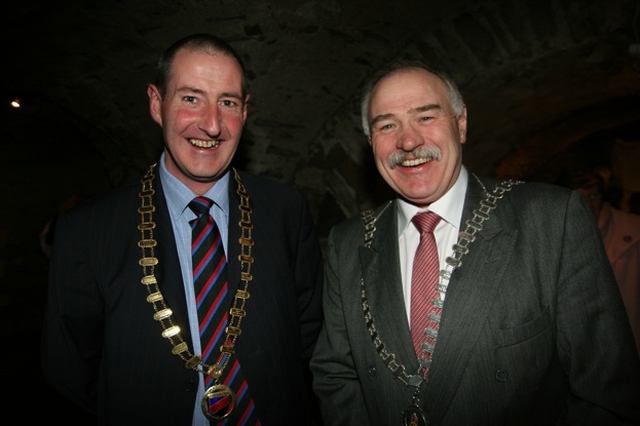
449,208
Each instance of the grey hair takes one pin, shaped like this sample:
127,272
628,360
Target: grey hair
395,66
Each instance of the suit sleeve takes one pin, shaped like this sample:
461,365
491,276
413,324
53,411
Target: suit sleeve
309,277
73,327
594,337
335,377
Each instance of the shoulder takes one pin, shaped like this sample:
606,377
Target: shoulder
262,187
625,222
628,217
539,189
272,198
523,189
356,227
103,219
534,195
532,204
118,200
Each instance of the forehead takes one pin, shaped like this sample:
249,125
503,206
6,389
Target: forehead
407,89
198,65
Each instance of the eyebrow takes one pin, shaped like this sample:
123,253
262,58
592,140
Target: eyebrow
425,108
190,89
422,108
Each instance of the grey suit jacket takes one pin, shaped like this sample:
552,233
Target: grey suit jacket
533,328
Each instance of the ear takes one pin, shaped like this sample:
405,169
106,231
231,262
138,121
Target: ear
244,108
155,103
462,125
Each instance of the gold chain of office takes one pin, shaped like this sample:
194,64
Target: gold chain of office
163,314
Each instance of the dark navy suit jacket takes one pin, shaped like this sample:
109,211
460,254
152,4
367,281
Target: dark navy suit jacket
103,349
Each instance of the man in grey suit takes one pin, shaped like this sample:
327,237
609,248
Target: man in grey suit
528,325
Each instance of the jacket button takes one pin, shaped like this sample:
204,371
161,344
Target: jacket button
502,375
190,385
372,370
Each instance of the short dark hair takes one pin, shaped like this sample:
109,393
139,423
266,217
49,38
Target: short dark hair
203,42
397,65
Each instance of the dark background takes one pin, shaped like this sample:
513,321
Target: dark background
550,85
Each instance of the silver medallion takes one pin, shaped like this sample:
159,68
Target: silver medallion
413,416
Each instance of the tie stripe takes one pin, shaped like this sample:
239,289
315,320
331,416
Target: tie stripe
209,314
217,334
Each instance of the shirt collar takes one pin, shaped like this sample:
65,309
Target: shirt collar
178,195
448,207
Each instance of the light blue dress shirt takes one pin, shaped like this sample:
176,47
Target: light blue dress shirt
178,197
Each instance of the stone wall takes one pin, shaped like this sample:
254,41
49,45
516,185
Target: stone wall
539,78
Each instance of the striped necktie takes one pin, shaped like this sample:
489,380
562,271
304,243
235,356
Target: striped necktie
211,287
426,305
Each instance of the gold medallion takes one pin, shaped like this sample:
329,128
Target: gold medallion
218,402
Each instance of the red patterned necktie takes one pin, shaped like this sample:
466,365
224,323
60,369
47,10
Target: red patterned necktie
426,305
211,287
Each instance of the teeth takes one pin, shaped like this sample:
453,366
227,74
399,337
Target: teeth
415,162
204,144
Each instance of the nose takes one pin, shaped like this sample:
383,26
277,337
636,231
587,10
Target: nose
210,121
409,138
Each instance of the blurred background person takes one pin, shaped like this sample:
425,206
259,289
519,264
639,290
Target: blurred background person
621,237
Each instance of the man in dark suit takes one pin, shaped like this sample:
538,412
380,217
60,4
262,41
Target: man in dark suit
120,336
526,325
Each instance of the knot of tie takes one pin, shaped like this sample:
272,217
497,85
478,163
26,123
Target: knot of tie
426,222
200,205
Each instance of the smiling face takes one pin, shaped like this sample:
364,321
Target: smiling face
416,137
202,114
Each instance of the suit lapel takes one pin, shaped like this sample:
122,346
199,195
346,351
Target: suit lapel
470,295
383,289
